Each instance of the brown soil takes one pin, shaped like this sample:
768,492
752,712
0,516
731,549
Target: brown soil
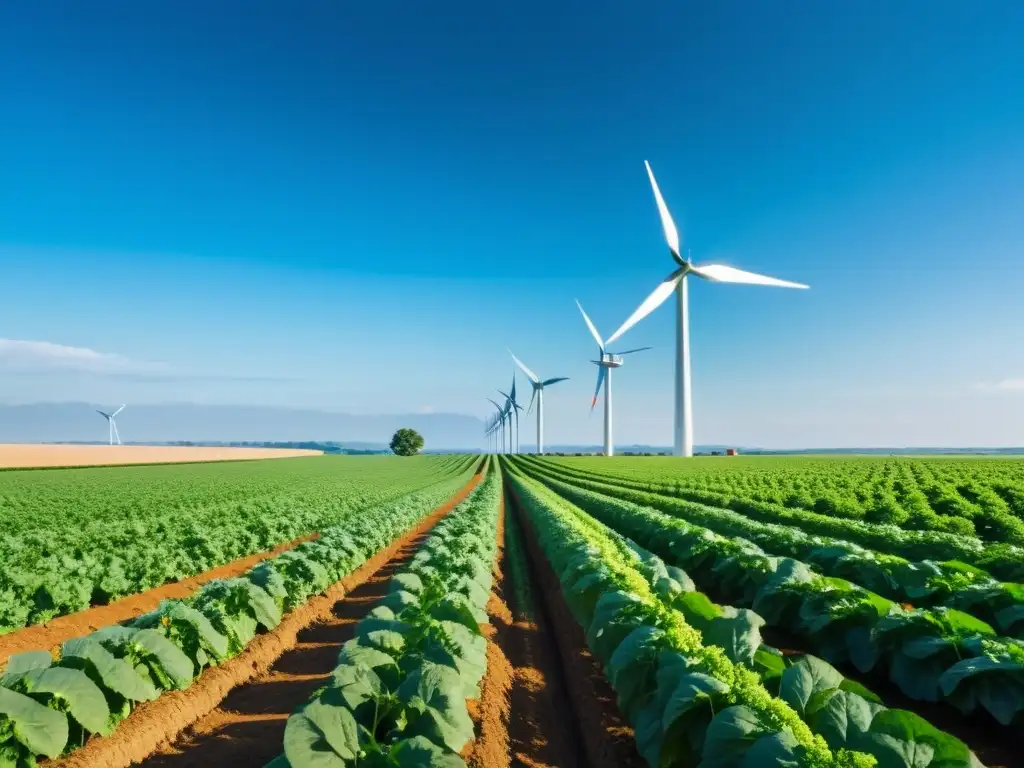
40,455
996,746
46,636
606,737
543,732
277,673
492,711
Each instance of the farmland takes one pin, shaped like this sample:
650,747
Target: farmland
40,455
563,611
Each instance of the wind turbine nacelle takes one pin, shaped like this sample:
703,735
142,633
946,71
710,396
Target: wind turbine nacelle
611,361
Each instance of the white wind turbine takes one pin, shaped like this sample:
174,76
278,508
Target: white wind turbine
605,362
499,424
111,425
676,283
538,395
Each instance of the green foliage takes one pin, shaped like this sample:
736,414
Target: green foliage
841,621
71,538
841,618
398,695
406,442
49,706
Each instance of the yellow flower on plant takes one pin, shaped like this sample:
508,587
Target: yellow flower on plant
165,620
55,652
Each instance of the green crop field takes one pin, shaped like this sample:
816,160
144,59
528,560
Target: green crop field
70,538
629,611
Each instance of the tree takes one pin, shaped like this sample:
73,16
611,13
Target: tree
407,442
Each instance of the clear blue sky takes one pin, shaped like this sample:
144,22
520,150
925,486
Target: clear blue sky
359,205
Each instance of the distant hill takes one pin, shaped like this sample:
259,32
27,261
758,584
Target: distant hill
79,422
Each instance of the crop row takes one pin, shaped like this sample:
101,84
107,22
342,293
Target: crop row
1003,561
51,701
67,563
398,695
846,715
931,654
974,498
686,700
924,583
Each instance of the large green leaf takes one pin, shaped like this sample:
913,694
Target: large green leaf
420,752
408,582
778,750
113,673
20,664
844,718
435,694
172,660
732,732
615,616
693,690
901,739
807,677
996,684
43,730
739,635
633,667
86,702
321,736
356,685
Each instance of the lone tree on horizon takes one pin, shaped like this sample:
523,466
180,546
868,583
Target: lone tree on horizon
406,442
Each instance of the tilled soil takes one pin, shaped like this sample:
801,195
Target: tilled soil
607,740
45,636
37,455
258,689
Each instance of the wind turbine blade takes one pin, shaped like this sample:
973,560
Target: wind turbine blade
104,415
590,325
671,233
720,273
602,374
533,397
651,303
549,382
529,374
493,403
117,411
631,351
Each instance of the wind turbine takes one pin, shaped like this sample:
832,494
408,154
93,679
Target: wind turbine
676,283
605,363
111,425
514,408
500,423
538,395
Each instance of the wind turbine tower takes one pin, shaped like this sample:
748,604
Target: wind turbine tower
605,363
111,424
676,283
538,396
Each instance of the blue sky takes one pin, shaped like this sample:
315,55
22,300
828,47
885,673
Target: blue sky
358,206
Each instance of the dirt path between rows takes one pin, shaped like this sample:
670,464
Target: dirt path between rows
607,739
43,637
543,732
235,713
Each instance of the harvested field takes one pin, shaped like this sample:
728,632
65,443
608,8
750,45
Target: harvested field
37,455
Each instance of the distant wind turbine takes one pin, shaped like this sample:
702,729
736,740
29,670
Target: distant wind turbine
514,408
676,283
538,396
499,424
111,425
605,362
